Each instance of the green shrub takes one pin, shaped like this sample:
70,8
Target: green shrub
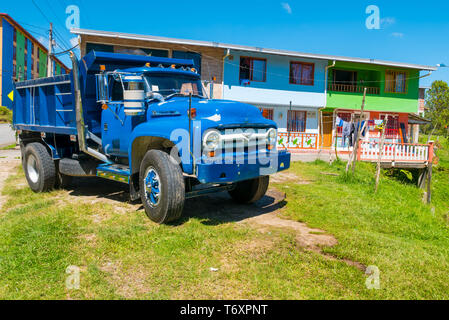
5,114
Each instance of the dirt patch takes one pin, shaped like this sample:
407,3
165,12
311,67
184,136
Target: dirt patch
8,163
253,248
286,176
129,283
90,239
306,237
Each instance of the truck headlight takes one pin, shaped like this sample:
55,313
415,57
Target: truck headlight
272,138
212,140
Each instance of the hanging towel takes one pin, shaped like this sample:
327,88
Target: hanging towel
339,122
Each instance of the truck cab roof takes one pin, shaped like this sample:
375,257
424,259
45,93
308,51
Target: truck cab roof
170,70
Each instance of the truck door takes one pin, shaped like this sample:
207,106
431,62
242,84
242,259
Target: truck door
114,123
123,112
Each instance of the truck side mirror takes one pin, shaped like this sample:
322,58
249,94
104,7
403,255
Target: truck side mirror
134,95
102,88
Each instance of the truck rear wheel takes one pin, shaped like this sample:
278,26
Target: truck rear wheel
162,188
250,191
39,167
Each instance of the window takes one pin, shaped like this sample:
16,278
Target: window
395,81
345,77
253,69
392,130
296,121
117,89
302,73
143,51
167,85
267,113
98,47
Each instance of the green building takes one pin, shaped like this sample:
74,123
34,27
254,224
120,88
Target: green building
391,89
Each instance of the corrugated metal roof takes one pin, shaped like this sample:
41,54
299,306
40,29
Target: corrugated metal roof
128,36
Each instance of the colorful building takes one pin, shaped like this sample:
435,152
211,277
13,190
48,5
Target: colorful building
22,57
392,89
303,93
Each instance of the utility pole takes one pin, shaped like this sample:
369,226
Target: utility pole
50,53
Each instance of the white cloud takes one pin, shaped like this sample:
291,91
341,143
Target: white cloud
286,7
387,22
398,34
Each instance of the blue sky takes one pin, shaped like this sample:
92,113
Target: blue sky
411,31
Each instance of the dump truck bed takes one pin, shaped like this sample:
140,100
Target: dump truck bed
45,105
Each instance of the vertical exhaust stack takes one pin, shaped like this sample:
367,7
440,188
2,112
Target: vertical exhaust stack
80,126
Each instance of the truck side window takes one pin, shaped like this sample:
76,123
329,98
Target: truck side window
117,91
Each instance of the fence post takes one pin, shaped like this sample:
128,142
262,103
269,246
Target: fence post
381,147
430,151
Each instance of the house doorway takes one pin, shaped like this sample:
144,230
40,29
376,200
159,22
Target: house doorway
327,127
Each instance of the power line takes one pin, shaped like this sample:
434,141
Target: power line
48,20
63,52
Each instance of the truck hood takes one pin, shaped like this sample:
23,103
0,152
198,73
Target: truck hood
213,113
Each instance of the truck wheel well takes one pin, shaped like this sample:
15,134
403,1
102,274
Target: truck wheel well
141,146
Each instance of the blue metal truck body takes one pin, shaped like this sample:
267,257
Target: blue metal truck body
93,111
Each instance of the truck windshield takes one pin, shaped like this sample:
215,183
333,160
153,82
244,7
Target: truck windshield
168,85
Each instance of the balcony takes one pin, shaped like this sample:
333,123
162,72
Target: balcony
349,88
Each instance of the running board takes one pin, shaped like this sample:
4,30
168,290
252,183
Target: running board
205,191
115,172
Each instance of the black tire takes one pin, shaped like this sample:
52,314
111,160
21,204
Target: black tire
39,167
250,191
168,180
62,181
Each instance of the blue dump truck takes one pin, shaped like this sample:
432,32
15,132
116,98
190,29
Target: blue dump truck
146,122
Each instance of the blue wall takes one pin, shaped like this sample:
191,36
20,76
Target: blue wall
277,88
7,60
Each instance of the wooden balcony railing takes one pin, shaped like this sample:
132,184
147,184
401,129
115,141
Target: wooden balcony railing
352,88
396,152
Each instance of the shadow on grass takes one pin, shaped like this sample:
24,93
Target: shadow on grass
214,209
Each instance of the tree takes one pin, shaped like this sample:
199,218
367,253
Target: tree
437,100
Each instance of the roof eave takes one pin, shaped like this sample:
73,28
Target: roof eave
127,36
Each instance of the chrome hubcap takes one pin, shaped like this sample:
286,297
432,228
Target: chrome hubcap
152,187
33,173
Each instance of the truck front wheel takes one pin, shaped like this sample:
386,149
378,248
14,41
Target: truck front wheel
162,188
250,191
39,167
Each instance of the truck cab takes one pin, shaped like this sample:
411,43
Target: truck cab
146,122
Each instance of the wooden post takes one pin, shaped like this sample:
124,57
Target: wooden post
359,133
429,183
290,111
422,178
381,149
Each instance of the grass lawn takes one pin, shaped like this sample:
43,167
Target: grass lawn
123,255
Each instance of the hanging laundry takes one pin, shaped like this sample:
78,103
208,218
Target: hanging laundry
352,134
339,122
346,132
